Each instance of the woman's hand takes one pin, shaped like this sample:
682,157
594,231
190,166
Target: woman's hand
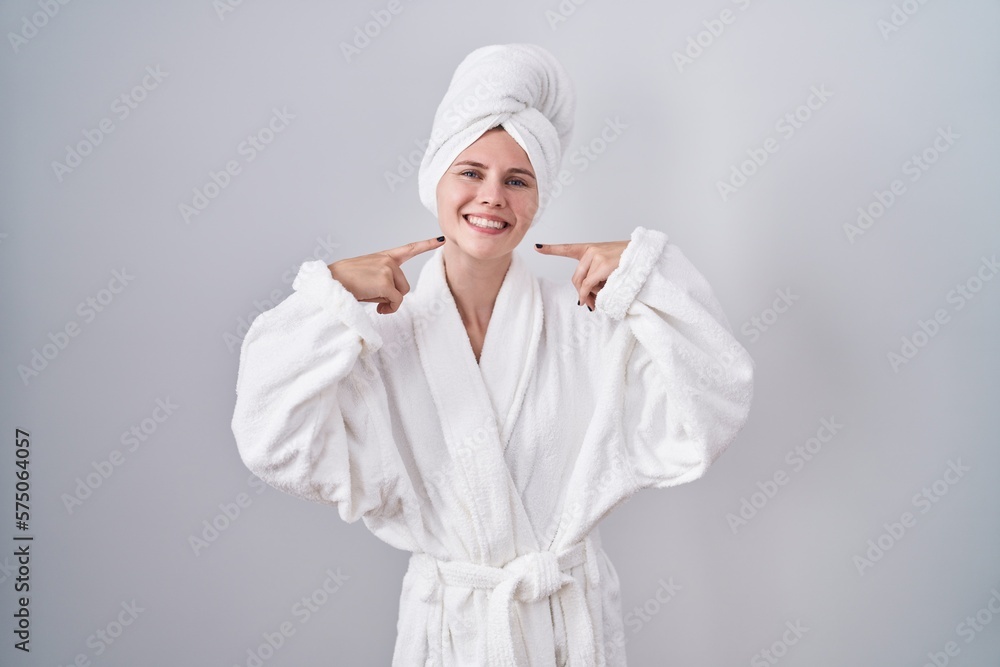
597,261
377,278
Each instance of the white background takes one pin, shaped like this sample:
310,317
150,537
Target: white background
320,190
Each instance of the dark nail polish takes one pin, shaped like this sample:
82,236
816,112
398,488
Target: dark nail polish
578,302
440,238
590,309
538,245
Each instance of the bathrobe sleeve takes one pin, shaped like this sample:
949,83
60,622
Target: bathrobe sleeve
687,382
311,416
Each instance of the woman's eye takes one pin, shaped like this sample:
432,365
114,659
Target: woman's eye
476,174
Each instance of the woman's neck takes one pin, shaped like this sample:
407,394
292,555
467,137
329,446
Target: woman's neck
475,284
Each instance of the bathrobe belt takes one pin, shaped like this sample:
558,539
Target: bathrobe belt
531,577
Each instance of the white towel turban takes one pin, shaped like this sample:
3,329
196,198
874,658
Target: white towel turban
519,86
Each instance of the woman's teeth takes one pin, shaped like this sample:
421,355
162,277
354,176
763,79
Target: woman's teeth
483,222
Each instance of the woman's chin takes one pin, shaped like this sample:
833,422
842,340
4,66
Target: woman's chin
484,248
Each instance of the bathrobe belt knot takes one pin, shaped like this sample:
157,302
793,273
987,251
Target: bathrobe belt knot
531,577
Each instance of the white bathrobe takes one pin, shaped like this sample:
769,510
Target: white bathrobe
495,475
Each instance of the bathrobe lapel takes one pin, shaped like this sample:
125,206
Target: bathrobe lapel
478,404
508,359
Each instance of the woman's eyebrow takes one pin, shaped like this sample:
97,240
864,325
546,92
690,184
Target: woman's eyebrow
513,170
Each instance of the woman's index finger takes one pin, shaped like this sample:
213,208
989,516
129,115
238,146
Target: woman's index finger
573,250
411,250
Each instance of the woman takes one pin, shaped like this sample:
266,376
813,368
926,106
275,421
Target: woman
486,422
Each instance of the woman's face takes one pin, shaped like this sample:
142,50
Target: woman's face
492,178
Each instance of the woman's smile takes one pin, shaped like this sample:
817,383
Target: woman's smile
485,225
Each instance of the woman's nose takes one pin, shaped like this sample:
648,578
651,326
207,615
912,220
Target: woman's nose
491,192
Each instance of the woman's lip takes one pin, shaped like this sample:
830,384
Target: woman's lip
484,230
